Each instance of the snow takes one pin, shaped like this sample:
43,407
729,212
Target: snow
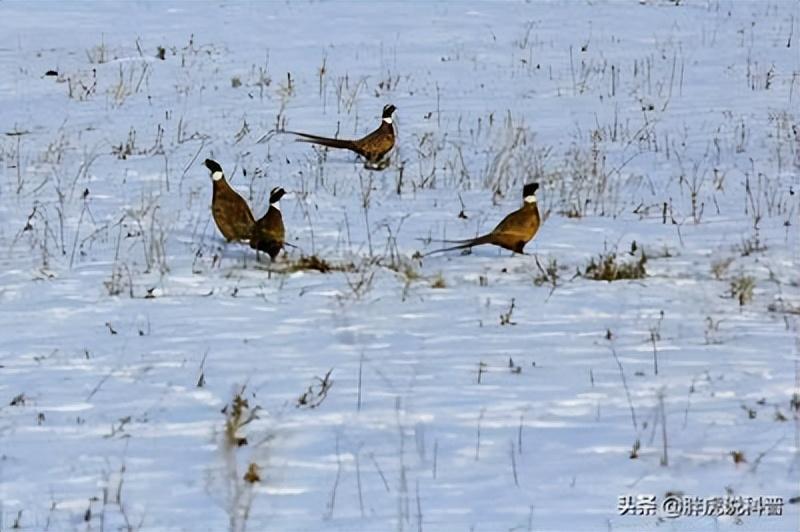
127,324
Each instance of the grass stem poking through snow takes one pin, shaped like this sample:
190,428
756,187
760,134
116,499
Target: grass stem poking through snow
610,338
655,335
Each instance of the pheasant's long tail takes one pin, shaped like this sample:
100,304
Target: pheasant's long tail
463,244
324,141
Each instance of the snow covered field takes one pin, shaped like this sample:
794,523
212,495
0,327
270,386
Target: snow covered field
480,392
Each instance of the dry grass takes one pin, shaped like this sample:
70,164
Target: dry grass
312,263
609,267
719,267
437,281
742,288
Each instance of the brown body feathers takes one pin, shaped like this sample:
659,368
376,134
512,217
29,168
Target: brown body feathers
230,211
373,147
514,231
268,233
